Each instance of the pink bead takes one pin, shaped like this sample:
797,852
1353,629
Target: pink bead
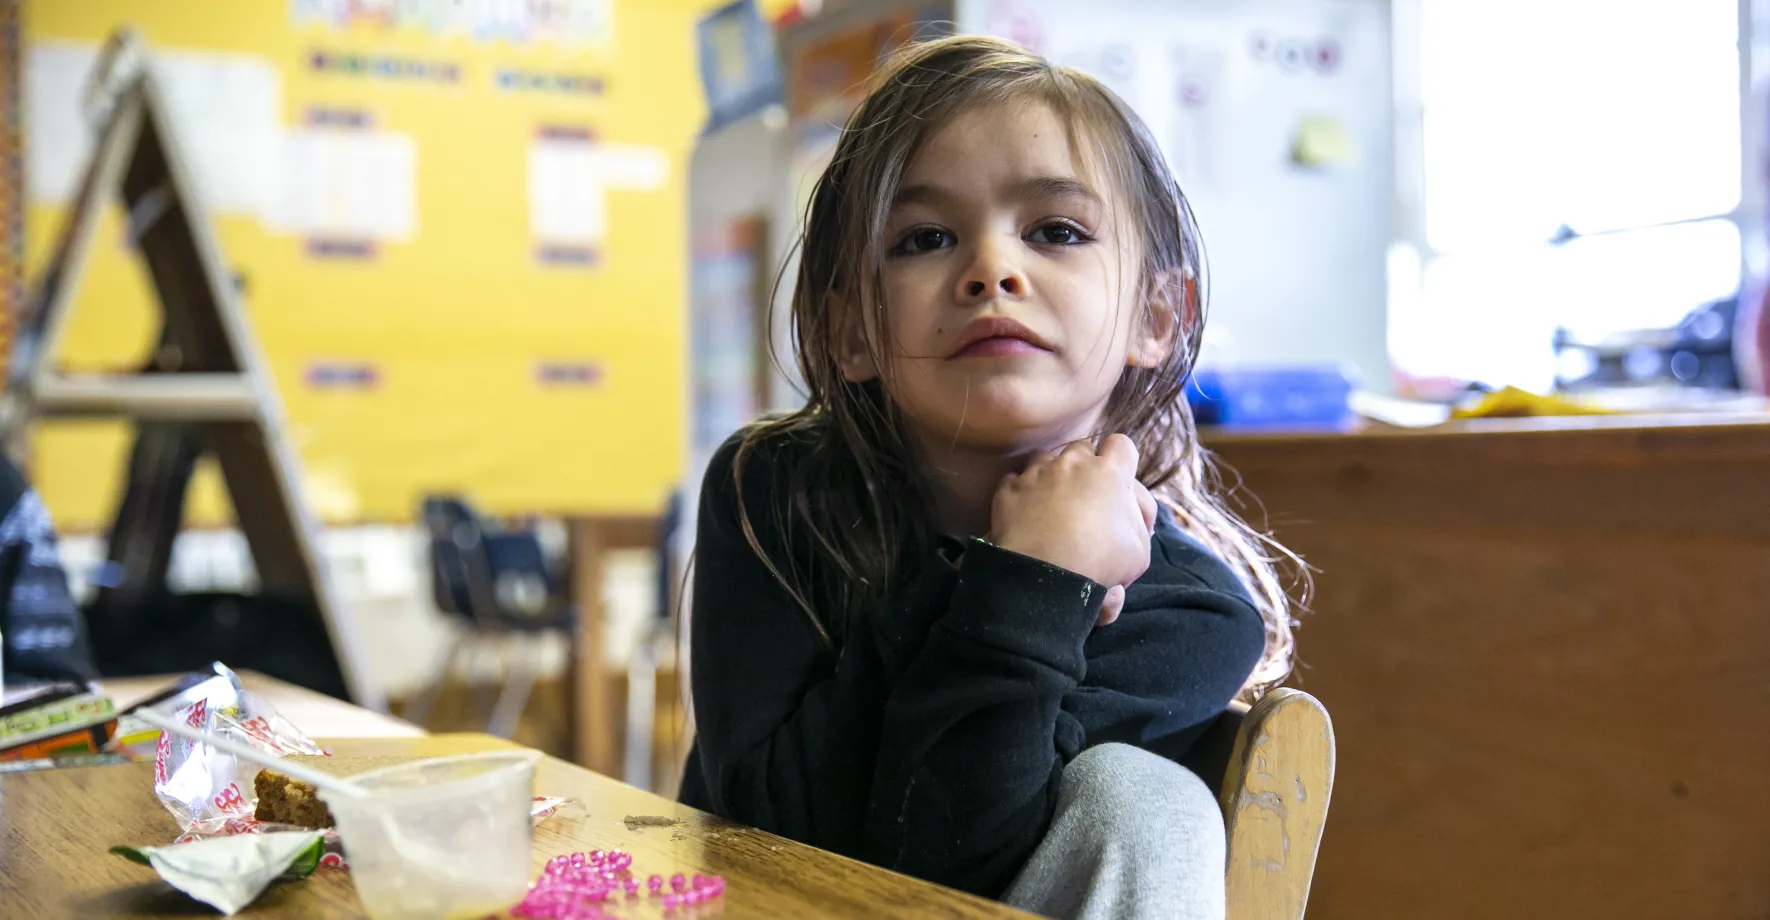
655,883
693,897
670,901
630,883
677,882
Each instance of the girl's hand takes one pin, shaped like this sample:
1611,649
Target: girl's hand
1081,510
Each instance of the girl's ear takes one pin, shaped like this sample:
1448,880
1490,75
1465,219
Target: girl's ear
850,340
1168,307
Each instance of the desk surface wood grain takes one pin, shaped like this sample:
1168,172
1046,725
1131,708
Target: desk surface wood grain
56,825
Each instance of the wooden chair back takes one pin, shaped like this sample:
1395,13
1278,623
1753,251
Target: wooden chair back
1272,766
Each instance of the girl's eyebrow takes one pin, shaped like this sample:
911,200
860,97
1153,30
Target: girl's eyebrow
1045,187
1036,187
921,193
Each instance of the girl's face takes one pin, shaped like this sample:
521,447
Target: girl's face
1011,287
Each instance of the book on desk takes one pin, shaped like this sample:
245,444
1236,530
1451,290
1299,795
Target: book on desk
55,720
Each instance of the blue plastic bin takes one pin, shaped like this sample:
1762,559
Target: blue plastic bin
1271,397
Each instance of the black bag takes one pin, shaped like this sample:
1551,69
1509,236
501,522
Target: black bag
44,634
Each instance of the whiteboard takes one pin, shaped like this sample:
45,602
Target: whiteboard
1296,254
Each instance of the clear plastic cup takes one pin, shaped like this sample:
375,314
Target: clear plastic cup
441,838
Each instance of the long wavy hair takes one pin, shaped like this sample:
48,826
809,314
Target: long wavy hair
856,498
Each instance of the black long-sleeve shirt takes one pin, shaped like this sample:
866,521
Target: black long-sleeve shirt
934,740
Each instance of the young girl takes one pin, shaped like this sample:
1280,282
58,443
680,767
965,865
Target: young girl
938,614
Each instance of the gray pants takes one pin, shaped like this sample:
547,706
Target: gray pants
1135,836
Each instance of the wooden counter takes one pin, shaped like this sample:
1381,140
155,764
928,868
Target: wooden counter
1545,644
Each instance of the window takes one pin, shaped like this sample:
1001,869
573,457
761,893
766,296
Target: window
1567,163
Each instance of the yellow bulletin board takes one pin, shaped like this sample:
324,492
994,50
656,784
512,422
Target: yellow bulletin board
463,243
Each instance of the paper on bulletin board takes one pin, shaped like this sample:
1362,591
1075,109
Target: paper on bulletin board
224,106
569,179
1323,143
577,23
740,68
349,184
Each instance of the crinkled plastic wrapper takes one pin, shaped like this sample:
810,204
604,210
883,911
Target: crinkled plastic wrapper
205,789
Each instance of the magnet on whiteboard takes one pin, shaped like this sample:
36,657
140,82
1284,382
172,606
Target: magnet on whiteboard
1016,23
1193,91
1292,56
1260,46
1118,61
1327,55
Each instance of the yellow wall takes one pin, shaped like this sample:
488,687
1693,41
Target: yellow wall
455,319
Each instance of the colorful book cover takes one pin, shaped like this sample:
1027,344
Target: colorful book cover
86,740
55,718
25,699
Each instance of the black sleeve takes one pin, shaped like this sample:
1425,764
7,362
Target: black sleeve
976,735
785,729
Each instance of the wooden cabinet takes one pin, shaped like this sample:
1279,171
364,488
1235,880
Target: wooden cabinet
1546,647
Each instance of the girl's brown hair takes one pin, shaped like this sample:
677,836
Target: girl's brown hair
856,497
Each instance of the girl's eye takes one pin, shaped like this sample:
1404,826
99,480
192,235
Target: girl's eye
1059,233
923,239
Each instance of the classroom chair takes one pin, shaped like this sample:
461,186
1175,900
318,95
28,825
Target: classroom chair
496,585
1272,767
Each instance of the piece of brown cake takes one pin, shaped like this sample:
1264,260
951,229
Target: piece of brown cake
282,800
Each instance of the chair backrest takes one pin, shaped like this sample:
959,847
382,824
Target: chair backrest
461,580
1276,779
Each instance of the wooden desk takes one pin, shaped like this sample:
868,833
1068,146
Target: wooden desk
318,715
56,825
1543,645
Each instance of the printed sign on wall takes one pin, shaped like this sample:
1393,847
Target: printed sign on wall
563,22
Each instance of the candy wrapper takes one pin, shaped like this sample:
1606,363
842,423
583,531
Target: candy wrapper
205,789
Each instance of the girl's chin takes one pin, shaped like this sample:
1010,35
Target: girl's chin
1002,414
1008,433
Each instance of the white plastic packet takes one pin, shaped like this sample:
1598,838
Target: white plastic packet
229,873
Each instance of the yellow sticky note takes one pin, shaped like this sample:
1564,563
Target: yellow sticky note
1322,141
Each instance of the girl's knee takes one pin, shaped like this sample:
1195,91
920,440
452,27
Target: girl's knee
1126,785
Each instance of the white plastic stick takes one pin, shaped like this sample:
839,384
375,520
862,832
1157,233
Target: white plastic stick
288,768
